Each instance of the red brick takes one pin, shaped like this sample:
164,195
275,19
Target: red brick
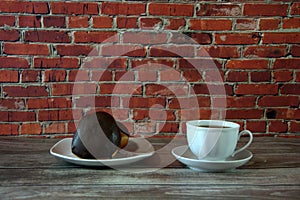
30,21
45,103
31,128
247,64
169,75
47,36
237,76
29,91
265,51
145,37
78,22
260,76
123,50
218,51
177,90
192,75
12,104
9,35
290,89
297,79
78,75
21,116
191,114
54,21
95,36
199,64
121,88
244,114
282,76
256,126
214,76
219,10
13,62
168,127
117,8
9,76
9,129
74,50
188,102
174,23
295,9
287,63
295,126
142,102
56,63
105,63
4,116
30,76
127,22
278,126
55,75
102,22
7,20
288,113
98,101
278,101
25,49
148,75
213,89
190,38
210,24
172,51
269,23
167,9
55,115
148,63
280,37
24,7
55,128
265,9
99,75
291,23
234,102
150,23
295,50
237,38
246,24
124,76
61,89
256,89
143,114
77,8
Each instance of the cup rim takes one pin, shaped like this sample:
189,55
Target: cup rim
196,123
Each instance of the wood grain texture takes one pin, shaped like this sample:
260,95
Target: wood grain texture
28,171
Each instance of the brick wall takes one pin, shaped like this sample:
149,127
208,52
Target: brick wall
153,65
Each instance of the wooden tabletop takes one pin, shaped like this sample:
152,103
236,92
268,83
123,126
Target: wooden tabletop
28,171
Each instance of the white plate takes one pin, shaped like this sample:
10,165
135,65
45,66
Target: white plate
184,155
136,149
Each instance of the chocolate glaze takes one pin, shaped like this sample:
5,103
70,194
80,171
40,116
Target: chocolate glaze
97,136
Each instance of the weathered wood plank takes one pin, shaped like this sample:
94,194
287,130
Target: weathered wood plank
28,171
17,177
150,192
28,152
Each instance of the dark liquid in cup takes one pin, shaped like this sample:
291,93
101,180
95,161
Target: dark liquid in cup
212,126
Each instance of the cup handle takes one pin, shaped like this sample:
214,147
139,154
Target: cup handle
247,145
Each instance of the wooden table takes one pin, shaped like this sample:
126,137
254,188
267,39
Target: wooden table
28,171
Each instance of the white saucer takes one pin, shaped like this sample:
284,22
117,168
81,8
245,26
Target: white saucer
136,149
184,155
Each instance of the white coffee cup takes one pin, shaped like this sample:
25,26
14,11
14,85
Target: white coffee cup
214,139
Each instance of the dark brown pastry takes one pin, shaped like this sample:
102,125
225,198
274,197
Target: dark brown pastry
98,136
